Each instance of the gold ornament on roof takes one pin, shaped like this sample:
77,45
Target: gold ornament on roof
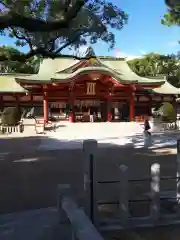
92,60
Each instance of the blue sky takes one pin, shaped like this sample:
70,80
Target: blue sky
143,33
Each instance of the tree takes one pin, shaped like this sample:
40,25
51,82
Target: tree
154,65
49,26
172,17
30,66
172,3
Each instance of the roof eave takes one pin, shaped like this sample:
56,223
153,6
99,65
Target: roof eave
67,80
22,80
166,93
10,92
152,83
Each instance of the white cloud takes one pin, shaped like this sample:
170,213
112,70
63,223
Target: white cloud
173,43
143,52
127,56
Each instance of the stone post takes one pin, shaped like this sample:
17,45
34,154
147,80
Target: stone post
155,192
90,181
123,198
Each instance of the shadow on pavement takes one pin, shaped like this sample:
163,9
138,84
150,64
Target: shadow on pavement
29,177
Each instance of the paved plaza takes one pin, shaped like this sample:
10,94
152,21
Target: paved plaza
71,136
32,165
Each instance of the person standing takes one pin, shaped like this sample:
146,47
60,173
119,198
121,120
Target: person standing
147,133
147,126
91,115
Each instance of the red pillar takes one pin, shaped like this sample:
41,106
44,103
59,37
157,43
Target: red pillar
150,106
45,107
109,115
72,114
72,117
131,107
1,103
31,100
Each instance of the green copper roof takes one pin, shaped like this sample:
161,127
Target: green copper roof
121,66
166,88
51,66
8,83
62,69
35,78
47,69
81,71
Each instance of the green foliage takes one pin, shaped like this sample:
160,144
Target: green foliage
11,116
95,21
172,17
154,65
172,3
167,112
30,66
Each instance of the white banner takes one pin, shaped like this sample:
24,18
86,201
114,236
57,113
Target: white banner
87,103
58,105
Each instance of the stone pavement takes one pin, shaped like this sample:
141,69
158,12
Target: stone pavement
32,165
71,136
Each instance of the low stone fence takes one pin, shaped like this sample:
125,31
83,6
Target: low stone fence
154,198
80,225
11,129
163,126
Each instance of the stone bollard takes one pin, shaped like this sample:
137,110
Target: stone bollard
90,181
178,177
155,192
123,198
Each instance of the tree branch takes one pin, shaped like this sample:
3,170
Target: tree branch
42,52
22,38
79,33
45,54
10,19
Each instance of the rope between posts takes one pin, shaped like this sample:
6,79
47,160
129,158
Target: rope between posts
137,200
139,180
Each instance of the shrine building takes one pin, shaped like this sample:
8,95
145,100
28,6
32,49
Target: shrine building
105,85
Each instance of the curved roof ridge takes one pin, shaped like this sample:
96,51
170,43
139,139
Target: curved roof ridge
81,71
50,66
166,88
121,66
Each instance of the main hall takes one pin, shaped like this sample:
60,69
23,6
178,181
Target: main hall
104,86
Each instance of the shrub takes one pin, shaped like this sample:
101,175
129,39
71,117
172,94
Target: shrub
11,116
167,112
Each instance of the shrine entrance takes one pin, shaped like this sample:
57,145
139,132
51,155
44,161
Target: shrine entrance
85,108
